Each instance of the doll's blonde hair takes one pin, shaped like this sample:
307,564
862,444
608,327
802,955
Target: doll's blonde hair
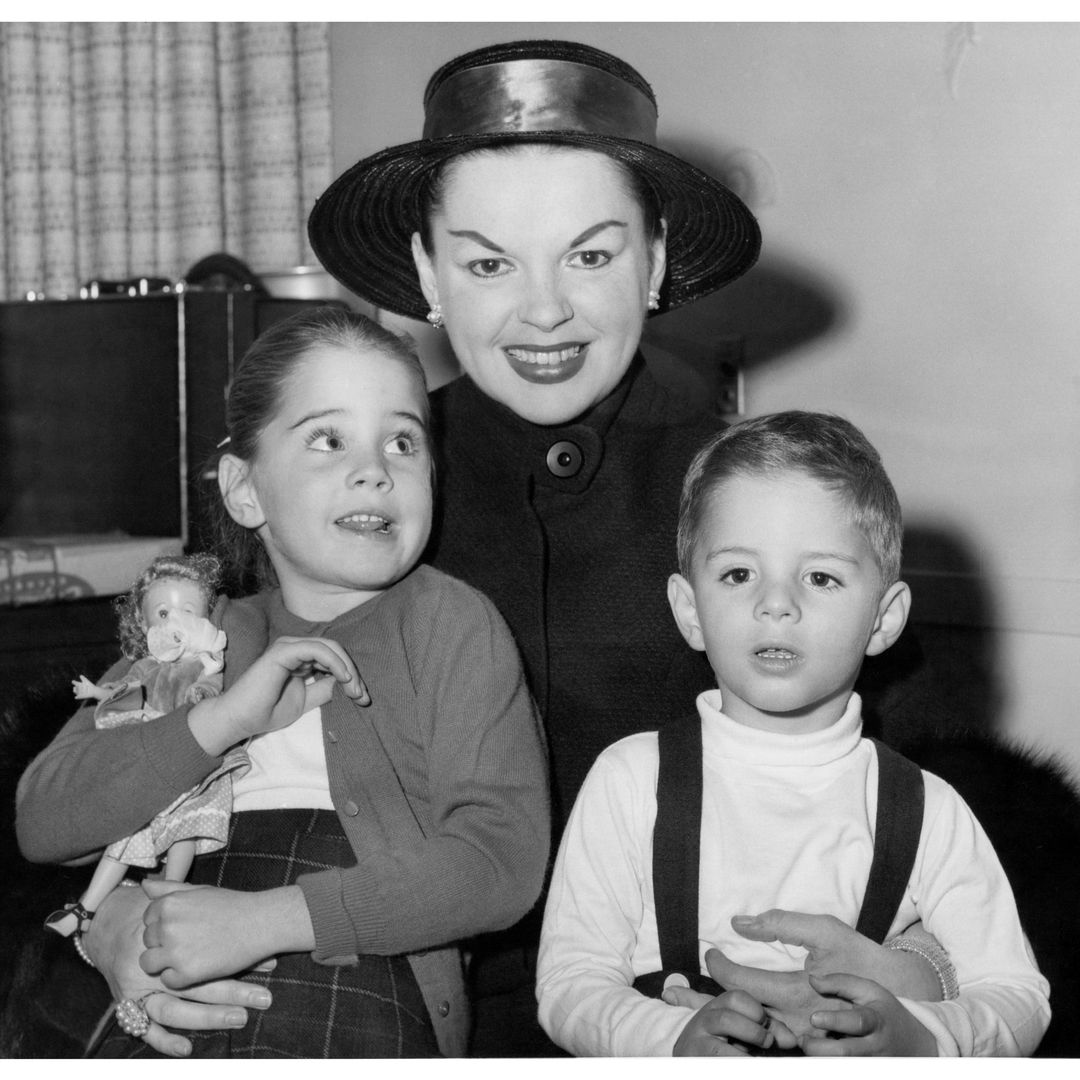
203,570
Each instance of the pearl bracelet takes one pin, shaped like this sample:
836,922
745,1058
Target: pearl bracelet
936,957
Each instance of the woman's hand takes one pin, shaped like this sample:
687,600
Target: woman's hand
194,933
833,946
114,942
872,1022
293,676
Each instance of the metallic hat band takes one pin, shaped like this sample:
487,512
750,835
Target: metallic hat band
539,95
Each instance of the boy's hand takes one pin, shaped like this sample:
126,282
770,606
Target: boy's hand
275,692
871,1022
787,995
732,1015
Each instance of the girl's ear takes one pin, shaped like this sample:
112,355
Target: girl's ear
424,270
892,616
238,492
680,594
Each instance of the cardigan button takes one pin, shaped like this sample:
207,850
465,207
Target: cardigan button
564,459
444,1008
332,736
351,808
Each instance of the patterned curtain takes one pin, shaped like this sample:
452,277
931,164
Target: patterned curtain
136,149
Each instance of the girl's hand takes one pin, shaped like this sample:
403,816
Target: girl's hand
114,942
873,1024
194,933
275,691
732,1015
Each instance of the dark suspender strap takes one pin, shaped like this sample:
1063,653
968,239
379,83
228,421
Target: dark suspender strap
676,843
901,796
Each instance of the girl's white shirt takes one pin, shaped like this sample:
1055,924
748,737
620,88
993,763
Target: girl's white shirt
288,769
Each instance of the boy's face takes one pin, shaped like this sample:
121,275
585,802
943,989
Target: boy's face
785,598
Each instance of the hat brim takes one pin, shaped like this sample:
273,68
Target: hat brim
361,227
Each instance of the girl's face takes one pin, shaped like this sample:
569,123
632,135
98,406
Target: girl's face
542,268
168,597
340,487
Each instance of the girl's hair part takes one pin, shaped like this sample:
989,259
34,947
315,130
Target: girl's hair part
254,399
203,570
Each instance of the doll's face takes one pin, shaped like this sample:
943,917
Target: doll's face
168,597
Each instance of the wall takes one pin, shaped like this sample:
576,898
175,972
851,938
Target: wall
916,186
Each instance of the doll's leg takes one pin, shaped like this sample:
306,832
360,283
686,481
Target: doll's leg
109,873
178,860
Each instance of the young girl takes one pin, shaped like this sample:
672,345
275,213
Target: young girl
382,820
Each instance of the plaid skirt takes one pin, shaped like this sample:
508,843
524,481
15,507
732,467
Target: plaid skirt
371,1009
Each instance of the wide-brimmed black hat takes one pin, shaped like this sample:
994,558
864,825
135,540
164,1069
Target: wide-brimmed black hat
527,91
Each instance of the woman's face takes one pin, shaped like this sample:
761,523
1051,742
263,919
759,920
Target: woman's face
542,268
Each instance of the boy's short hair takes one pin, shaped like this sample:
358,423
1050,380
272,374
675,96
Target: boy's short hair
828,448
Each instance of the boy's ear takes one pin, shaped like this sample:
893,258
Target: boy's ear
893,609
680,594
424,271
238,492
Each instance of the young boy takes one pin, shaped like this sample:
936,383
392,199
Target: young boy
789,555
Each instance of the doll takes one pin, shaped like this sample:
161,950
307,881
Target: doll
178,660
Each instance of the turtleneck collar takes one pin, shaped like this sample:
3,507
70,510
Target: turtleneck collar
734,742
564,457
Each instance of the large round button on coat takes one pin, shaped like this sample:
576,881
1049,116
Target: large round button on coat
564,459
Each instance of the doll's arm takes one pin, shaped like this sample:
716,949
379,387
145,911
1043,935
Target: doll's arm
85,690
89,788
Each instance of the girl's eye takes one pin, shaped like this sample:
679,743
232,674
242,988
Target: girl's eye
739,575
401,444
487,268
163,614
820,580
326,442
590,260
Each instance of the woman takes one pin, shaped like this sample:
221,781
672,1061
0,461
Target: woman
538,222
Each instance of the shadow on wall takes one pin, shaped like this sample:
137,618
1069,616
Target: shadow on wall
950,631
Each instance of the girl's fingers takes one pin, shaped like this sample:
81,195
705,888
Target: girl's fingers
300,654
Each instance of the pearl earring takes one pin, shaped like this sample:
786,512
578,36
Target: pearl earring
654,300
434,316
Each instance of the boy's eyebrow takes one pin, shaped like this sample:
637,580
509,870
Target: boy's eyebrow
838,556
588,234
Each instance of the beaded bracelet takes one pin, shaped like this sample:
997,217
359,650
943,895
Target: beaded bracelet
76,937
936,957
80,948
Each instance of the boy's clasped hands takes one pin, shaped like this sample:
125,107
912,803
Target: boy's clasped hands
821,1011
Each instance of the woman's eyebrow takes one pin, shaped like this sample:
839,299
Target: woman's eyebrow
589,233
480,238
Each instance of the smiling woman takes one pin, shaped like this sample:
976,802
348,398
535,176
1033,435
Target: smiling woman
542,284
